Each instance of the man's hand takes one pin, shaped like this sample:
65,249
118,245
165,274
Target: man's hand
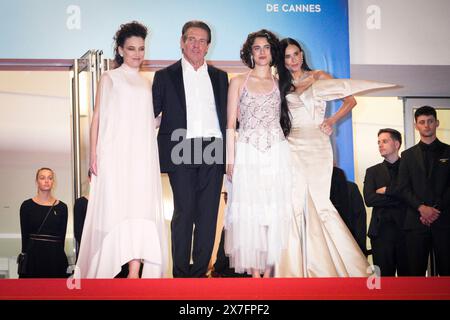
428,214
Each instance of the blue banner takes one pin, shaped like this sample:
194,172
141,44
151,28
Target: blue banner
63,29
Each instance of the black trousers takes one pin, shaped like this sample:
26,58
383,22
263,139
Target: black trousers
419,244
222,262
196,193
389,250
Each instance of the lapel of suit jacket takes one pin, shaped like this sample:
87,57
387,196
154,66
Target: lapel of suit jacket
439,153
213,75
177,78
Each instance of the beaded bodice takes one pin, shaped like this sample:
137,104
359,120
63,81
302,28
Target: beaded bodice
259,118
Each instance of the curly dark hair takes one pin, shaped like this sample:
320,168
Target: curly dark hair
127,30
246,51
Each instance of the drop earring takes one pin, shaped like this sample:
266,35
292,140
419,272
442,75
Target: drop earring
252,62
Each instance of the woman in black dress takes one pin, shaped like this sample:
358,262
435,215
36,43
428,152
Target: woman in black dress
43,241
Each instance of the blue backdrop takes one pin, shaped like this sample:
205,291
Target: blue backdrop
64,29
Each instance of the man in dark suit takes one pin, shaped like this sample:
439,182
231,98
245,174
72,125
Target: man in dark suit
221,268
192,97
386,232
339,196
359,216
347,200
425,186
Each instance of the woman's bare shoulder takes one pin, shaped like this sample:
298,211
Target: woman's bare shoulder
238,79
321,75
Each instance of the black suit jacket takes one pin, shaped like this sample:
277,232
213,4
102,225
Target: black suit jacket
417,188
386,207
169,98
339,196
359,215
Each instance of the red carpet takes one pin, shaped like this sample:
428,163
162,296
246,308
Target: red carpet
229,289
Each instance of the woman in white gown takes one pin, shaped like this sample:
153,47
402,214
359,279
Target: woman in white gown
320,244
259,205
124,220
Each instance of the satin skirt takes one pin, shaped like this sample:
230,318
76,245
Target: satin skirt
319,242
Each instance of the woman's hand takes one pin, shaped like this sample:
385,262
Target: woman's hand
157,121
93,165
230,168
327,126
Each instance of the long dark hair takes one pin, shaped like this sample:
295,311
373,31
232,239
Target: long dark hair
285,79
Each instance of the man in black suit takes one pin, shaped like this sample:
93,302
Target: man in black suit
425,186
221,268
339,196
386,232
347,200
192,97
359,216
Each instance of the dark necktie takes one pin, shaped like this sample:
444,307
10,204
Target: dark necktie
428,157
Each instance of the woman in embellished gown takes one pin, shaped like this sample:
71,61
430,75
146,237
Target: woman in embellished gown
320,244
259,205
124,220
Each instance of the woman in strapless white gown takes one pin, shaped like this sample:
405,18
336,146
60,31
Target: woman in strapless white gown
319,244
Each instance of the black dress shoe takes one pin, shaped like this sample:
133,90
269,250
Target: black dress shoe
215,274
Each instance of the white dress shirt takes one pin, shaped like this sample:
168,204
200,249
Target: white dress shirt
201,114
